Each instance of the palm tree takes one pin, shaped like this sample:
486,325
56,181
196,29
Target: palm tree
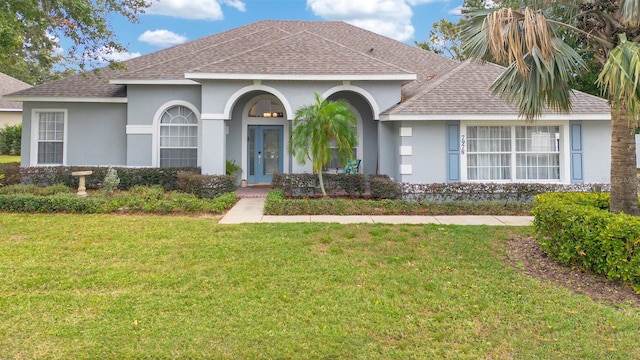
530,40
316,126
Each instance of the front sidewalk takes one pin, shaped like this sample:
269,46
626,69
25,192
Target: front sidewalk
250,210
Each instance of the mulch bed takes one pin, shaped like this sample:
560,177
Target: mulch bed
525,253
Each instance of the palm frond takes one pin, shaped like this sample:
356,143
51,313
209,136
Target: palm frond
630,12
540,63
620,76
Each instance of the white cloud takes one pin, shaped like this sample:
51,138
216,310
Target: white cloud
238,4
107,54
194,9
162,38
391,18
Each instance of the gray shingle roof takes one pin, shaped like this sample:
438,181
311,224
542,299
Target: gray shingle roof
7,86
442,86
375,53
465,91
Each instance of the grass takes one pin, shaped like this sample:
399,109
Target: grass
9,158
120,287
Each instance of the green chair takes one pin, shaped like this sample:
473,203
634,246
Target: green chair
352,167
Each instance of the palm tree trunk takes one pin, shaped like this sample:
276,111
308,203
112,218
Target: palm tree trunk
324,193
624,181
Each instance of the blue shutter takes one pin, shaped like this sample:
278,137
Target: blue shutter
453,152
576,153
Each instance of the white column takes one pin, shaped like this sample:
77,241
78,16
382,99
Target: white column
214,147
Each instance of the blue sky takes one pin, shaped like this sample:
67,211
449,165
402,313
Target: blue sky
171,22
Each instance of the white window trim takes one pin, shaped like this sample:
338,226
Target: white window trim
35,124
155,142
565,154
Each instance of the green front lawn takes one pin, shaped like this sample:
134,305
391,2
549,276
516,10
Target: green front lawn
9,158
114,287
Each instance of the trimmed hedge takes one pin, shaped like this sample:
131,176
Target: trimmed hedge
139,200
129,177
11,172
578,229
382,187
523,192
277,204
306,185
205,186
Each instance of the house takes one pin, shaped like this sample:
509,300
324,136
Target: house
10,111
422,118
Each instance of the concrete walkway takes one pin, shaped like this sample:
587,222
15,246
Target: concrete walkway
249,210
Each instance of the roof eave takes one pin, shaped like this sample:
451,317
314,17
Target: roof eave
493,117
79,99
302,77
152,82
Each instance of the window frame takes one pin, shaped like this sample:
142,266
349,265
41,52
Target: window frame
35,135
563,150
155,160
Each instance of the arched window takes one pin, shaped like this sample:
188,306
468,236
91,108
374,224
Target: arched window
178,137
266,108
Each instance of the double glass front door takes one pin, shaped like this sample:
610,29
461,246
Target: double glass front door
264,152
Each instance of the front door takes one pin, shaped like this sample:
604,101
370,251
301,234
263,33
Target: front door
265,153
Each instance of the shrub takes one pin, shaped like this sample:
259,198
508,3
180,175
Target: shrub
384,188
523,192
111,181
295,185
578,229
205,186
276,204
138,200
11,172
35,190
304,185
339,184
10,139
129,177
67,203
232,168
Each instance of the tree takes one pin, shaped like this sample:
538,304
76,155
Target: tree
30,31
316,126
444,39
541,65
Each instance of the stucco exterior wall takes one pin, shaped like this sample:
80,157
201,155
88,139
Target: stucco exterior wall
145,102
388,135
95,133
427,147
294,94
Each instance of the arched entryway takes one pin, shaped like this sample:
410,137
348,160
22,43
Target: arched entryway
367,129
265,124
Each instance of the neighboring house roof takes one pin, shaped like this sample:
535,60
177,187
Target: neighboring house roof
465,91
9,85
432,84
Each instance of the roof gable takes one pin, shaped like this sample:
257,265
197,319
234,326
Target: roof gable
301,53
465,91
